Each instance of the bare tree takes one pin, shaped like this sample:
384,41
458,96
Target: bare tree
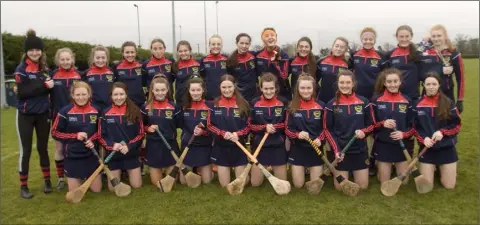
324,51
387,47
354,46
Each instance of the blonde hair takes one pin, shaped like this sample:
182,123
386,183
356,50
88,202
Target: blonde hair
96,49
62,50
80,84
448,42
215,36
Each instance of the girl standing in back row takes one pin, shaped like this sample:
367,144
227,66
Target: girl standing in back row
213,66
183,69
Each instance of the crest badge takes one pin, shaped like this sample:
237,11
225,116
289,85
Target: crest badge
278,111
168,114
402,108
317,114
168,68
204,114
93,118
358,109
138,71
374,62
109,78
223,64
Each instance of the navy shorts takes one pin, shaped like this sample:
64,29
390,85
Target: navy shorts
306,156
439,156
157,155
388,152
228,156
80,168
272,156
124,162
198,156
354,161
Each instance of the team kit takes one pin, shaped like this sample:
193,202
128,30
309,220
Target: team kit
348,115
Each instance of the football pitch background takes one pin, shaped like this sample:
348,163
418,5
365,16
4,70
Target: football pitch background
210,204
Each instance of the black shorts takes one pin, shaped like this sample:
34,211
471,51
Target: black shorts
228,156
354,161
301,155
80,168
439,156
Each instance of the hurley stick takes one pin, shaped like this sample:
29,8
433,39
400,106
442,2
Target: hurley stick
236,186
77,194
349,188
390,188
121,189
280,186
315,186
193,180
166,184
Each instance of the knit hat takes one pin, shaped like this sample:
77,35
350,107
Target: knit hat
32,41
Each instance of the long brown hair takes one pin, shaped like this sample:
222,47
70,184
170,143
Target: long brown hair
233,59
42,61
347,73
132,113
412,48
157,79
241,102
187,98
295,103
380,83
312,64
269,77
443,103
448,42
182,42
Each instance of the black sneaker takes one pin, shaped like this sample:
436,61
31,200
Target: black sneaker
25,193
47,188
60,183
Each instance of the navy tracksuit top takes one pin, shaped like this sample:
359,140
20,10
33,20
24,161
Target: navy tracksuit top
100,80
212,67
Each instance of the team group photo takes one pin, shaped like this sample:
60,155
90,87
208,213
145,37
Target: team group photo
265,125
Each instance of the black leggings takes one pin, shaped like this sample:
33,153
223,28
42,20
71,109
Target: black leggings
25,125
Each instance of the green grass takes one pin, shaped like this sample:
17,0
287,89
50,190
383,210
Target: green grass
210,204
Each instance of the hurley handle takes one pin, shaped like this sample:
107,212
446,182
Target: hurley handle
402,145
350,142
339,178
163,139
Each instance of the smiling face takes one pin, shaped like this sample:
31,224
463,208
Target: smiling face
129,53
345,84
227,88
392,83
305,89
196,91
65,60
100,58
157,50
368,41
438,38
269,38
160,91
404,37
339,48
119,96
304,48
268,89
431,86
184,52
215,45
243,45
81,96
34,54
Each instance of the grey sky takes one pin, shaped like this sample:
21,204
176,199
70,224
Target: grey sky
111,23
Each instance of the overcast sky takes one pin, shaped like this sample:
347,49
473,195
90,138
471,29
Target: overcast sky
111,23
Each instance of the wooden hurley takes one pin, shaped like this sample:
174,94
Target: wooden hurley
166,184
76,195
281,187
236,186
121,189
348,187
390,188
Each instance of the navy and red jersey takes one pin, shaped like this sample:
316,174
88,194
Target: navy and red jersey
212,67
112,127
71,120
131,74
100,80
192,116
308,118
154,66
166,115
32,92
226,117
298,65
63,80
246,76
268,111
186,69
367,64
427,122
327,73
432,62
343,118
278,67
395,106
398,58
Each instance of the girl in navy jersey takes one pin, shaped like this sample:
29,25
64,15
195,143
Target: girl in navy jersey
392,110
437,125
347,115
196,111
158,63
304,121
183,69
121,129
76,128
267,114
64,77
229,123
241,65
99,76
304,61
161,114
213,66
